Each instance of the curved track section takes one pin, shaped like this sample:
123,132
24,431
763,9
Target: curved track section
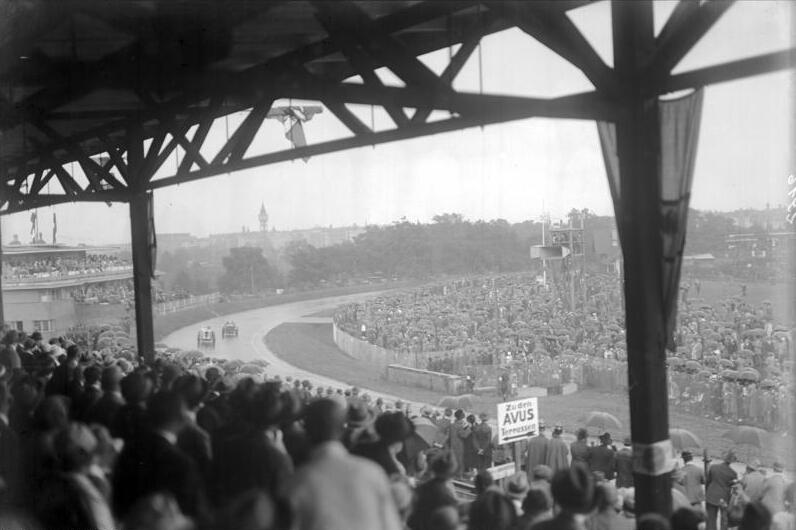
254,325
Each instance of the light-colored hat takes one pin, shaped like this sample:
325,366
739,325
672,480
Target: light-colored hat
517,486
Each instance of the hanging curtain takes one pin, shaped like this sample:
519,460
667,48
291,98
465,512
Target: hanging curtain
679,120
152,241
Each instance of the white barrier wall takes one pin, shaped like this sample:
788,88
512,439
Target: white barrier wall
397,366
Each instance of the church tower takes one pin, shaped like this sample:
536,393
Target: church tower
263,218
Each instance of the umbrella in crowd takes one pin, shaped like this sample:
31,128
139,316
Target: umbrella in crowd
746,435
251,369
466,401
426,430
749,374
693,366
684,439
449,402
601,420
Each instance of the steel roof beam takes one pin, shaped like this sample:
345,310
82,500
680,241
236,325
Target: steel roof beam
680,34
555,30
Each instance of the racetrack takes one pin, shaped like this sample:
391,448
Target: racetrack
253,325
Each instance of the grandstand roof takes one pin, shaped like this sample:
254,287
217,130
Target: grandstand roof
82,80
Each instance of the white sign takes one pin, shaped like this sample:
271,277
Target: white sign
502,471
516,420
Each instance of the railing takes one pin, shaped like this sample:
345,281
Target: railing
164,308
53,277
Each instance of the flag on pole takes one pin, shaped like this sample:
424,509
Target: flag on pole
33,217
55,228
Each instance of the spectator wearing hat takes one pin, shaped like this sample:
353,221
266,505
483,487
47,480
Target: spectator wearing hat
624,465
537,450
482,440
68,497
253,459
64,373
332,478
105,409
517,487
470,455
557,451
753,481
359,425
774,490
193,439
494,511
579,449
392,428
460,431
573,493
444,426
153,462
436,492
90,394
9,354
603,457
540,480
693,480
719,482
294,439
131,419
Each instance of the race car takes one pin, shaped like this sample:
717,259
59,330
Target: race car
229,329
206,338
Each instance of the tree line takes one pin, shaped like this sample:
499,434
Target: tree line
449,245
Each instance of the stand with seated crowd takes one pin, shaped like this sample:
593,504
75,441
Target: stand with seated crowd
53,267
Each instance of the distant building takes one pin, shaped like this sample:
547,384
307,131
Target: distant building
761,246
271,241
770,219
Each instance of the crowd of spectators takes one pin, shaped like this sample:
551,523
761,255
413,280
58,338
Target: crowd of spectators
93,439
116,292
55,267
732,359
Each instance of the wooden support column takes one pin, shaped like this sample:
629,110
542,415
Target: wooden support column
638,147
142,259
142,275
2,313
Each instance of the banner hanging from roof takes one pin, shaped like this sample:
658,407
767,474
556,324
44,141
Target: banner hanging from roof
679,121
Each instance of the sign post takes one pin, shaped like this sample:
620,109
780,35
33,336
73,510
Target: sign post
516,421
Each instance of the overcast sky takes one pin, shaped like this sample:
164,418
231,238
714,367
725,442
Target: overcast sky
511,171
